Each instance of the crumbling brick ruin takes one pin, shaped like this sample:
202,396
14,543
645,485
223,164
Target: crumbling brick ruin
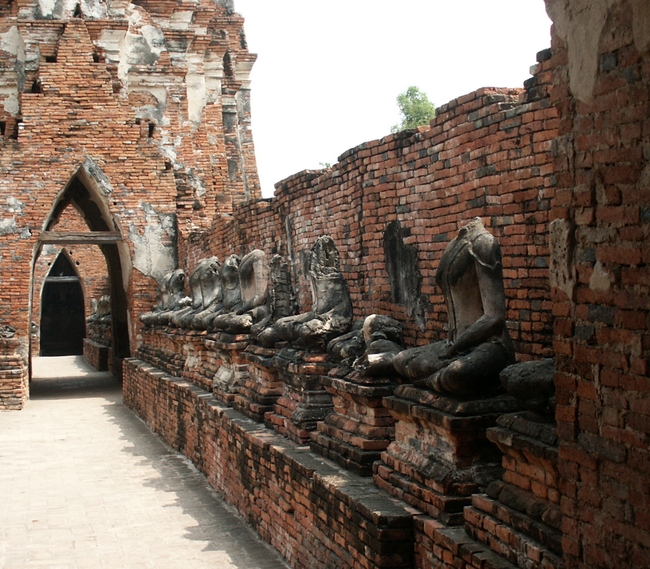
136,115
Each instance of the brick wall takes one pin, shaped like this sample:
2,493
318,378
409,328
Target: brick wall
487,154
14,375
80,104
601,341
313,513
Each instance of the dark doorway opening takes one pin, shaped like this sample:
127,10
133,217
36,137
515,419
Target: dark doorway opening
63,323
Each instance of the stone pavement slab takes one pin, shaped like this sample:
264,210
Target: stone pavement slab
85,484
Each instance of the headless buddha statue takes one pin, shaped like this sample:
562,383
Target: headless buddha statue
470,275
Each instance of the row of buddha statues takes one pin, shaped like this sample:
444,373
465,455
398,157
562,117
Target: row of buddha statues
100,310
250,296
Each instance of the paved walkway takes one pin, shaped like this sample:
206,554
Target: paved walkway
85,484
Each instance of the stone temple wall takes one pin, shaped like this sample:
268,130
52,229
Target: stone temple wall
601,282
559,174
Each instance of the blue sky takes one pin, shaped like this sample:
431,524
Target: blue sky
328,73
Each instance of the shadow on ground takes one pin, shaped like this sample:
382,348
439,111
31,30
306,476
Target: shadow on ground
214,522
217,523
66,377
68,388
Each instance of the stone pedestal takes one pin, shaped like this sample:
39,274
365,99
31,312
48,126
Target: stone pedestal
194,354
304,400
262,387
226,358
179,352
441,454
14,374
96,354
519,516
162,348
359,427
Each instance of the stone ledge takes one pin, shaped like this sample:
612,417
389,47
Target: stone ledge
256,469
453,545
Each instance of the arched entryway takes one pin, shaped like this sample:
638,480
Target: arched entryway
63,323
87,192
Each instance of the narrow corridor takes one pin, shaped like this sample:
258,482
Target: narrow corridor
85,484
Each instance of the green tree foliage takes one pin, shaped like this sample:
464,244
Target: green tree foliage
415,108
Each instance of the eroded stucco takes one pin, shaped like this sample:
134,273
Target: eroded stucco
11,83
580,23
154,247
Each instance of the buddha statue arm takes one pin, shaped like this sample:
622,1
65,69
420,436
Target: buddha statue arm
252,303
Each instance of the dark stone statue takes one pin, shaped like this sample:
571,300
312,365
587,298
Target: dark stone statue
347,348
171,297
7,332
230,289
370,349
479,346
531,383
383,338
331,313
253,282
281,301
100,310
211,294
196,294
201,284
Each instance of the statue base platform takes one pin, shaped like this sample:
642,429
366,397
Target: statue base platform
195,353
161,348
14,374
304,400
225,354
177,351
261,388
97,355
441,454
524,504
359,428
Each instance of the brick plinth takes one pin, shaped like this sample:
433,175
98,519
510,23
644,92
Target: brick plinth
519,516
226,351
196,354
304,400
14,376
262,388
440,547
441,454
359,427
97,355
162,348
179,352
317,515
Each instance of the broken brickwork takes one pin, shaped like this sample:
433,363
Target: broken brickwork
137,114
487,154
558,172
571,217
313,513
601,297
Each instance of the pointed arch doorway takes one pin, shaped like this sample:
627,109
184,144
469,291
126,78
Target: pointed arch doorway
87,193
63,323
